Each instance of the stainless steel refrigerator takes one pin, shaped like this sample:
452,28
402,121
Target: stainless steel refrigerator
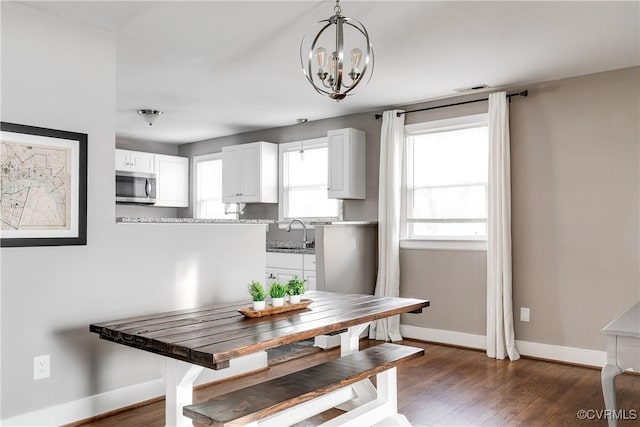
347,257
346,262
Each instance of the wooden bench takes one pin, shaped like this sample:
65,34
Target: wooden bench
266,399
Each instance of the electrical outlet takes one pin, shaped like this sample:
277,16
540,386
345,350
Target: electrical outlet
524,314
41,367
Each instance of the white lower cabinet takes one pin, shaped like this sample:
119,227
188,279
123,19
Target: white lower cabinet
309,262
282,267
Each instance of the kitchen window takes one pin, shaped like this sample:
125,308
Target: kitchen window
208,188
446,172
303,182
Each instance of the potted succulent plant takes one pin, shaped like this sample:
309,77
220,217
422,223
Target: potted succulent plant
295,289
258,295
277,293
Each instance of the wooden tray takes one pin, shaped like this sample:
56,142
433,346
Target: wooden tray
250,312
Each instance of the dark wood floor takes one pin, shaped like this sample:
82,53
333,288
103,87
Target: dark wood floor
455,387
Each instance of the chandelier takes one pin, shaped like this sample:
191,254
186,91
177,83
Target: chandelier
327,72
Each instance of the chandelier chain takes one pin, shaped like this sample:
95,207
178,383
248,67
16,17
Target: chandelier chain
337,8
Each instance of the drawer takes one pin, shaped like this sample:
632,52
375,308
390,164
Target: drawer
629,353
309,262
284,260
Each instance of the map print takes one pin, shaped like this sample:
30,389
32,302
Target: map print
35,185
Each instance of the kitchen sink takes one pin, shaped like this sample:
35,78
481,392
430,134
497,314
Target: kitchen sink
293,246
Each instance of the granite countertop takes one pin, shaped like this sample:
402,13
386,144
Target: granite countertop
344,222
145,220
289,247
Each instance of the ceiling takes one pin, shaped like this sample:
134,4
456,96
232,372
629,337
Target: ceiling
220,68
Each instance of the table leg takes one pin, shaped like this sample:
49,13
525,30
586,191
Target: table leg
178,379
350,340
364,390
608,378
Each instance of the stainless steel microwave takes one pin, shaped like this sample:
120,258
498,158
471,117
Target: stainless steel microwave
136,187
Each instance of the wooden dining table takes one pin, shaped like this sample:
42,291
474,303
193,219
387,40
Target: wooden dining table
213,336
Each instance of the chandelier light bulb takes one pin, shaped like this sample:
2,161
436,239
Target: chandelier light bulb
321,56
356,57
332,66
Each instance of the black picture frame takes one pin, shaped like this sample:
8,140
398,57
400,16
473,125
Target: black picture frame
65,147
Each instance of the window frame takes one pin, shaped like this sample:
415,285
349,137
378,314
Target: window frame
196,160
286,147
435,242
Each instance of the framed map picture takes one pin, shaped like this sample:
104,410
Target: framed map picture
43,186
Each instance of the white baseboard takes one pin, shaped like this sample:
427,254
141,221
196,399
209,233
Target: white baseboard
80,409
87,407
444,337
558,353
580,356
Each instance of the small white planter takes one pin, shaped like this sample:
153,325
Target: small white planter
277,302
294,299
259,305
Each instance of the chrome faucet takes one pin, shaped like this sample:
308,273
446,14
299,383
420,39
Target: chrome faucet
304,230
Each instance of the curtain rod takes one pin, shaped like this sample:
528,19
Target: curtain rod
509,95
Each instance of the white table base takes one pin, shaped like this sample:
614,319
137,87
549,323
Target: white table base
366,404
178,381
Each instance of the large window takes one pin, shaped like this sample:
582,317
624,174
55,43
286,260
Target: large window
303,182
208,187
446,179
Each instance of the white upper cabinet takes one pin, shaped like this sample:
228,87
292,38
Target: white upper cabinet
134,161
231,175
250,173
173,180
347,164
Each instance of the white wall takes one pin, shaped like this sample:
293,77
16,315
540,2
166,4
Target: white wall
61,75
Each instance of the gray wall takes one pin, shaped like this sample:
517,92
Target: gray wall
575,206
147,146
575,210
59,74
575,183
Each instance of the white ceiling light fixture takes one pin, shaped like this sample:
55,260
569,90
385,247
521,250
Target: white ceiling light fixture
326,71
150,116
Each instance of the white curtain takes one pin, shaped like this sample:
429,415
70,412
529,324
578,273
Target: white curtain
389,196
500,334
